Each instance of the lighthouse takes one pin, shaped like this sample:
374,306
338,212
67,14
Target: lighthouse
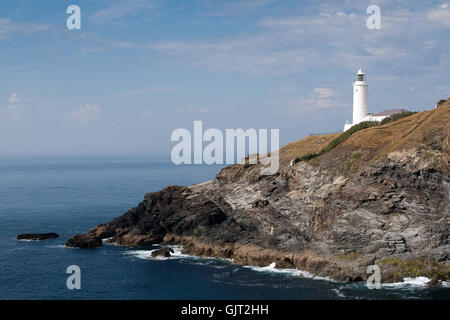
360,98
360,103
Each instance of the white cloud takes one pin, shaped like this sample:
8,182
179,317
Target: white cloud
325,93
233,8
13,108
195,109
8,27
335,37
286,46
14,98
14,104
10,110
149,112
120,9
86,113
147,91
319,98
255,55
440,16
331,39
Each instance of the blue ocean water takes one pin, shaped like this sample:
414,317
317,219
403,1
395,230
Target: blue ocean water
71,195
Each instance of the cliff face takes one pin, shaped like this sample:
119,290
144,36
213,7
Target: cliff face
381,197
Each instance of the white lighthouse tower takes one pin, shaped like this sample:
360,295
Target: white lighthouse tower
360,100
360,104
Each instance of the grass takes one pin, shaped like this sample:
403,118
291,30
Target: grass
417,268
354,159
309,145
337,141
438,273
397,116
408,267
423,131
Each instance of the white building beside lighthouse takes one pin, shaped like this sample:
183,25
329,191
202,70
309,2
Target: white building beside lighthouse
361,105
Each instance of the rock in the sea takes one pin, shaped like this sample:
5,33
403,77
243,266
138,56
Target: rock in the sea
434,282
164,252
85,241
37,236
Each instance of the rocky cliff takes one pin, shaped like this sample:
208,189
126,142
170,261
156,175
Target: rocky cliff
380,197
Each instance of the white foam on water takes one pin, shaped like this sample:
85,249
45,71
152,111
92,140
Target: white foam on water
408,282
177,252
58,246
418,282
294,272
195,260
106,243
141,254
15,249
339,293
147,254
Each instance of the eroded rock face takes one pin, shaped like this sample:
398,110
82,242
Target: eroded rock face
303,218
371,200
37,236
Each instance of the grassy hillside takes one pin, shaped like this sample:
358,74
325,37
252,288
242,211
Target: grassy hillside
426,131
309,145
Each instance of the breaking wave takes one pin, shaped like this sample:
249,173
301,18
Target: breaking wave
408,282
147,254
294,272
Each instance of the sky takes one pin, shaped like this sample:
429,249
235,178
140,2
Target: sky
139,69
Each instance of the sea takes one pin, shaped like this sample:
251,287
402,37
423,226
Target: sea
70,195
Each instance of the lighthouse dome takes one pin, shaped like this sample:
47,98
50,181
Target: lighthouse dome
360,75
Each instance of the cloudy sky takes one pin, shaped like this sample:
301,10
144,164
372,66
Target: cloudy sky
138,69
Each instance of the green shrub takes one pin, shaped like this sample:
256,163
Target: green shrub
337,141
345,135
396,117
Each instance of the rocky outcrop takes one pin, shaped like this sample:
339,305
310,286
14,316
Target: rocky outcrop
37,236
382,197
84,241
164,252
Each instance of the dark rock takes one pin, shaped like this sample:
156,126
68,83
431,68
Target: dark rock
164,252
37,236
260,204
434,282
85,241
